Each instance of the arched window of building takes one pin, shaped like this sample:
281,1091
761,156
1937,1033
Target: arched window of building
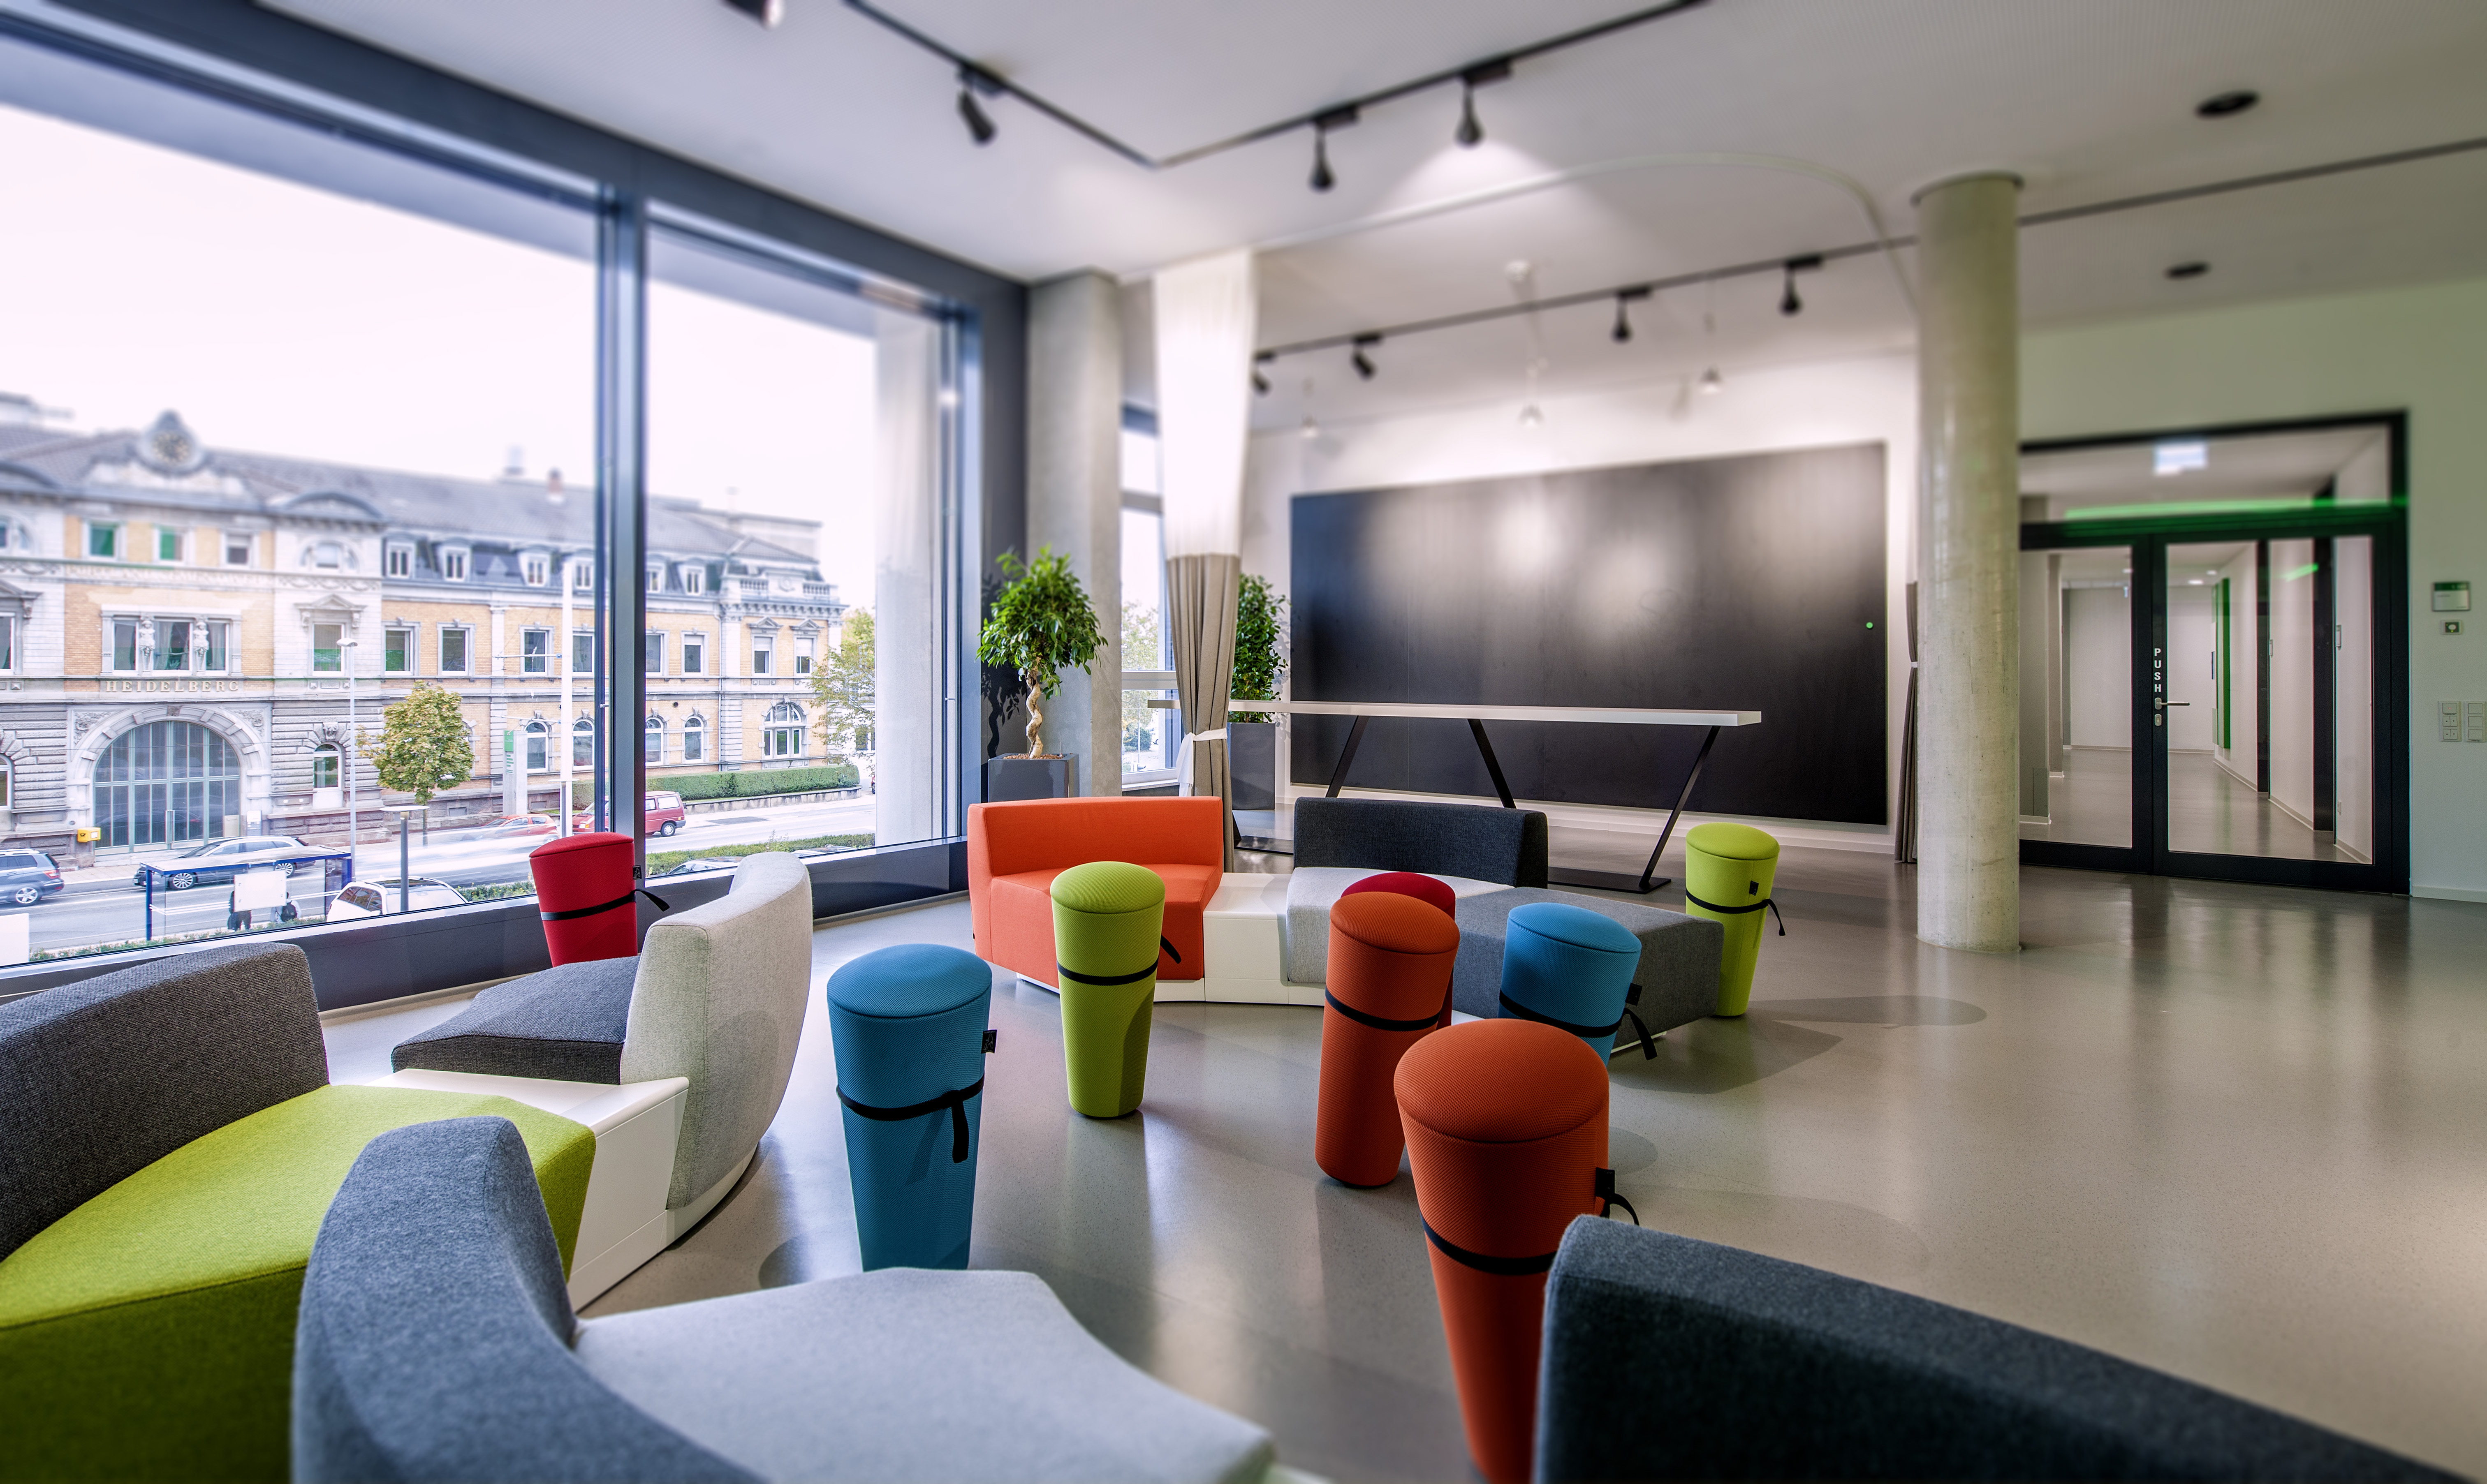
163,782
656,734
582,743
324,768
694,740
783,735
538,735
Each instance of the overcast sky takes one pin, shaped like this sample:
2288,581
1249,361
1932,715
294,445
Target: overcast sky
281,318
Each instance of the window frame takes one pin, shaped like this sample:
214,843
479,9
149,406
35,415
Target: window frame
455,554
534,569
539,660
338,649
695,738
110,531
244,541
651,653
169,536
694,652
409,639
396,562
9,637
465,633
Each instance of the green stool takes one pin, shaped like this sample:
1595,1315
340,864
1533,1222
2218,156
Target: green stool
1727,870
1106,919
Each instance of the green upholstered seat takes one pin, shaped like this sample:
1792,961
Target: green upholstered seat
1727,873
148,1334
1108,917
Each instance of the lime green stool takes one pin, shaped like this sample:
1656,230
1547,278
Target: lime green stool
1727,871
1108,918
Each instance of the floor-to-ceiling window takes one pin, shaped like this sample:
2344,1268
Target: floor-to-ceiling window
300,524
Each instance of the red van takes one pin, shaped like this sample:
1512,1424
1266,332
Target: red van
664,815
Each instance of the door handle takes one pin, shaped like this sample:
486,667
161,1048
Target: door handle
2180,703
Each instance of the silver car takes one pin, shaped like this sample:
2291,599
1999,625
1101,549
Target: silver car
217,862
377,899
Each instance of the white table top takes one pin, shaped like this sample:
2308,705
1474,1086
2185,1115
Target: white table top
1623,715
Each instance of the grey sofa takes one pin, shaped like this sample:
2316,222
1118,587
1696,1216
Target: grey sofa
1679,957
1771,1370
435,1342
716,996
1437,840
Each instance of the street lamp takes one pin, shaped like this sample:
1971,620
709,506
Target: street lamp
353,834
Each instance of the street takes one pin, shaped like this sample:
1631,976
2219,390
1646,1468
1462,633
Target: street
107,908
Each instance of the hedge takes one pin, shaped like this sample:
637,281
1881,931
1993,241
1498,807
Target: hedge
757,783
662,861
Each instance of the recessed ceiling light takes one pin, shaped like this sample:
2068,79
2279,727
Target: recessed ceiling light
2227,105
2170,458
2192,581
2192,269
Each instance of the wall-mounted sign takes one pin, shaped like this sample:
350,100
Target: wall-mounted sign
2452,597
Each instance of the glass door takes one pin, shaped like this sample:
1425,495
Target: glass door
2079,775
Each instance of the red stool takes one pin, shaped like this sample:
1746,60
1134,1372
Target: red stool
1427,890
583,893
1390,976
1506,1127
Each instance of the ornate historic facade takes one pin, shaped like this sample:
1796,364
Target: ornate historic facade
179,626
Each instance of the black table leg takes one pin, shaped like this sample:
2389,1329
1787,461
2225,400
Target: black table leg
1476,729
1347,755
1649,880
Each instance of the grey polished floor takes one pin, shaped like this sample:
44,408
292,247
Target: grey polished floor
2236,1133
2209,809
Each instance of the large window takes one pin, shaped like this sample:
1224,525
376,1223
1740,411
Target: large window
312,494
1151,733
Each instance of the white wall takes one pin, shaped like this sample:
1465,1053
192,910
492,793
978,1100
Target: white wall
2098,667
2292,678
2244,679
1826,403
2418,349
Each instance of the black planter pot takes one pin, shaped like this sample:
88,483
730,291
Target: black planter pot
1008,779
1252,763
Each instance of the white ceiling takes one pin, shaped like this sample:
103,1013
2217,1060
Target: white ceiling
2086,102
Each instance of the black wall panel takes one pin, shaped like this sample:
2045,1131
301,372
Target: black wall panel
1751,584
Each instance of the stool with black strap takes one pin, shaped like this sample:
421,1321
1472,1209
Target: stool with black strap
1391,958
584,892
1506,1128
907,1026
1571,969
1727,871
1109,919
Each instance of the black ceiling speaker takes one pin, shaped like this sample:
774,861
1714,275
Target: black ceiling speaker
765,11
2227,105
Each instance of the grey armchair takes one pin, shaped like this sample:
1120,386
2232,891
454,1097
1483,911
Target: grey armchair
435,1342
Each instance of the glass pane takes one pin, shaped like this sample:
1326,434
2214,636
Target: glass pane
793,433
2268,474
1143,591
2271,714
1150,734
2077,695
267,400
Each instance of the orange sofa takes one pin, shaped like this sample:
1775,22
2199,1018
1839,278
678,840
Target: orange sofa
1015,851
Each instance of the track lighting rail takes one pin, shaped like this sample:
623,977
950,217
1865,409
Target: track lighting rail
1471,75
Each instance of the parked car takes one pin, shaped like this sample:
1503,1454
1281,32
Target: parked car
664,814
523,824
27,877
216,862
377,899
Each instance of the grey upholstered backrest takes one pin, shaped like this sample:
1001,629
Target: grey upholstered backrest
432,1342
1670,1359
102,1077
1438,840
720,998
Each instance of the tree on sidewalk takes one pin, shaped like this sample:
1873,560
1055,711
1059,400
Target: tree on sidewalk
425,743
842,694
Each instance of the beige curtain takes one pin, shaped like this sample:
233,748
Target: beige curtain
1201,594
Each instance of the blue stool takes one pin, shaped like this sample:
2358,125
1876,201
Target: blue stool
1571,969
908,1027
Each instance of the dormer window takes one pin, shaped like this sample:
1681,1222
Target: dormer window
327,556
694,578
453,564
397,560
535,567
582,574
656,578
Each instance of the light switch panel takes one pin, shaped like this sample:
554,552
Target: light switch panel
2447,720
2478,721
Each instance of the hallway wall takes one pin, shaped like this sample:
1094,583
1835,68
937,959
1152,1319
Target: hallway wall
2292,678
2098,667
2243,681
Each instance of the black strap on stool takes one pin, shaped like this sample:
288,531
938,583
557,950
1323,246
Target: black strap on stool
1500,1267
1766,901
1648,1047
956,1102
1109,980
1422,1023
622,901
1606,1192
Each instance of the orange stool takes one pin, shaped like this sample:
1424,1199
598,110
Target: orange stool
1390,976
1506,1127
1425,889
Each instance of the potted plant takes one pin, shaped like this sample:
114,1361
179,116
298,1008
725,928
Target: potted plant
1252,736
1041,623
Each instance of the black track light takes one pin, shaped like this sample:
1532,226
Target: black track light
980,125
2185,270
2225,105
1360,360
1789,303
1471,134
1622,333
1260,375
768,12
1323,176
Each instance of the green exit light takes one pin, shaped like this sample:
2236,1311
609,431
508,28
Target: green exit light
1869,624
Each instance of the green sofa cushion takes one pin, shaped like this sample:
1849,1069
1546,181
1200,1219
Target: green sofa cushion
149,1331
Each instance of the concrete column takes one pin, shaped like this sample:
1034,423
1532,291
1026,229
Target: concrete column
1969,744
1074,499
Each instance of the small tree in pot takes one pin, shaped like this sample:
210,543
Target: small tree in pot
1042,621
1259,614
